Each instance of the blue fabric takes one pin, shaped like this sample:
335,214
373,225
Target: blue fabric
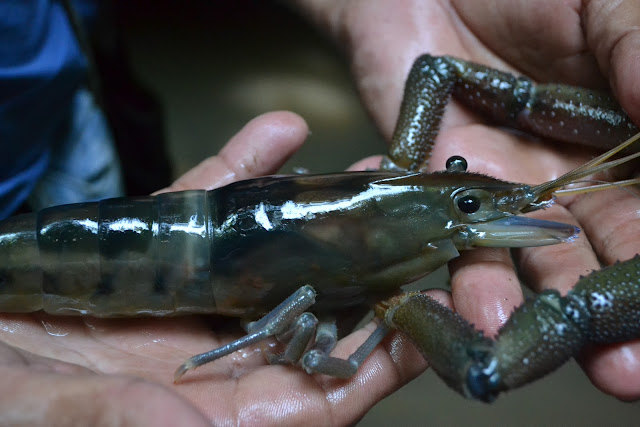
85,166
41,68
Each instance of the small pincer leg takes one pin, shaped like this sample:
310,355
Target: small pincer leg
308,342
318,360
297,339
277,321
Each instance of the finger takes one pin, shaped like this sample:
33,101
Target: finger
557,53
557,266
381,64
615,369
259,148
611,220
612,33
368,163
485,288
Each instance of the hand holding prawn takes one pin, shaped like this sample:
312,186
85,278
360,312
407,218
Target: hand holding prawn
454,151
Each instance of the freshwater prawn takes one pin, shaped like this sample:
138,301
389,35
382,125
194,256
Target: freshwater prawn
322,243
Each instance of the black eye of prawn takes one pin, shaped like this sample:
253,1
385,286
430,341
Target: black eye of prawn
469,204
456,164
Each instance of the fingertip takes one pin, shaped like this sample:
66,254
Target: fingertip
626,69
405,358
485,288
614,37
615,369
442,296
368,163
260,148
281,128
264,144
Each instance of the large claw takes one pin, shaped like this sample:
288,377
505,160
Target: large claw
541,334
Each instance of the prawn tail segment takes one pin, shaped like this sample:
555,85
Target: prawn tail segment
20,268
117,257
541,335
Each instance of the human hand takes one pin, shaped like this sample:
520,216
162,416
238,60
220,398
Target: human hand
81,370
582,43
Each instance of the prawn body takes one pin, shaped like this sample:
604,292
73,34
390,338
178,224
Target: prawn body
241,249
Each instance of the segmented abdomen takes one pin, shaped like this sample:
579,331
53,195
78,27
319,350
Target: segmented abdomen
117,257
